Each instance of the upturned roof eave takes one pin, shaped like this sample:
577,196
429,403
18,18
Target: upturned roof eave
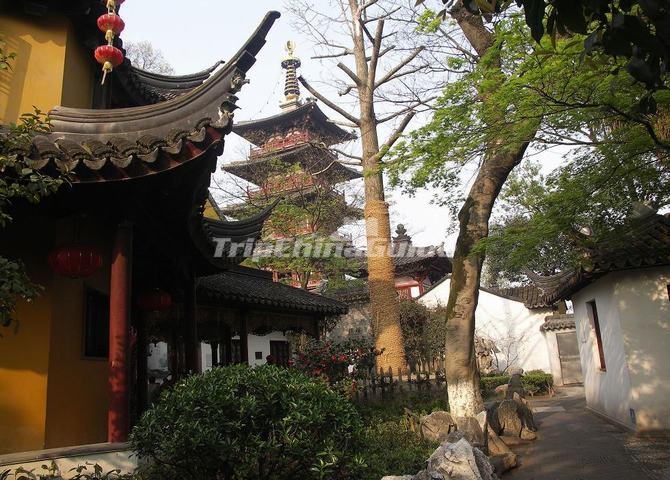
139,141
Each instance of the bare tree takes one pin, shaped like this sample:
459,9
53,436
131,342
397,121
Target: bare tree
144,56
378,66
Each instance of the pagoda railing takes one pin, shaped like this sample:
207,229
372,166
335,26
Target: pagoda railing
291,140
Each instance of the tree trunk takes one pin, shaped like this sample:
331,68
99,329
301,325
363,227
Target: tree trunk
461,367
381,269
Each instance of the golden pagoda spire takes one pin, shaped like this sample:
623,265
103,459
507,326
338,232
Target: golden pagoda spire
291,90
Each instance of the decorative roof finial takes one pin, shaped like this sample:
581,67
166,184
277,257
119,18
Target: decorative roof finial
292,89
402,236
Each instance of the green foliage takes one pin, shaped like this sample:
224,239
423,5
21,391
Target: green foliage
242,423
89,471
632,29
20,182
392,449
618,152
423,329
394,409
535,382
490,382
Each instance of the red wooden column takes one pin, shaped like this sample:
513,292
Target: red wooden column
190,327
118,418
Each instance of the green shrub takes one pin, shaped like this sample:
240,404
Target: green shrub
420,403
242,423
537,382
490,382
392,449
90,471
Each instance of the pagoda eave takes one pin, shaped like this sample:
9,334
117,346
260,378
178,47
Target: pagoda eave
306,116
325,166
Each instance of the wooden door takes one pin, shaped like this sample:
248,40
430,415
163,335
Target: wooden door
280,352
568,352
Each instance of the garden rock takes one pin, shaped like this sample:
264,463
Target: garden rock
502,458
437,426
460,461
515,387
513,418
473,431
426,475
398,477
502,389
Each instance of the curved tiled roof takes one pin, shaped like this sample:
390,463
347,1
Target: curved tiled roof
119,144
564,321
255,288
147,88
642,242
530,295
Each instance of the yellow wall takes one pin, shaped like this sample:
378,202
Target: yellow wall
210,212
50,68
24,361
50,395
77,398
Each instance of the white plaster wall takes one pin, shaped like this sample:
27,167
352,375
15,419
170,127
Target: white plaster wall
262,344
158,356
644,310
608,392
499,319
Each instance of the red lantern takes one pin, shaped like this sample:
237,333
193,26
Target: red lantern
154,301
75,261
111,25
109,57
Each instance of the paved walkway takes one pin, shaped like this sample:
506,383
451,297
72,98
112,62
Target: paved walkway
574,444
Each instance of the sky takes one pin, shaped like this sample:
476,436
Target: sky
193,35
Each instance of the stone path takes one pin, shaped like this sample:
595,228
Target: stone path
575,444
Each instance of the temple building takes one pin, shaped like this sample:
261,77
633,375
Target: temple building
131,250
291,158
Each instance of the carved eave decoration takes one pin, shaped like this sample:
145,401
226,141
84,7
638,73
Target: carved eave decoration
128,143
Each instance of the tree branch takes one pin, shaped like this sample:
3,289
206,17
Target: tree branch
397,133
392,73
329,103
350,73
374,57
405,110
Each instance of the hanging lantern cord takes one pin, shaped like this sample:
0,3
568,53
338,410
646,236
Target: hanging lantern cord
111,25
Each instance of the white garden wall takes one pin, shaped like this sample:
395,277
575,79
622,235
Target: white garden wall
512,326
634,315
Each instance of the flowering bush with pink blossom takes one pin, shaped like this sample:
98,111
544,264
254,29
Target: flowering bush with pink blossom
340,364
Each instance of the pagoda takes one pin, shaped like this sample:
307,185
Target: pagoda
291,158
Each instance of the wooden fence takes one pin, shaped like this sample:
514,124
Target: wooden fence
419,377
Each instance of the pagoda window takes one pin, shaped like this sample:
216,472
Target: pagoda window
96,324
